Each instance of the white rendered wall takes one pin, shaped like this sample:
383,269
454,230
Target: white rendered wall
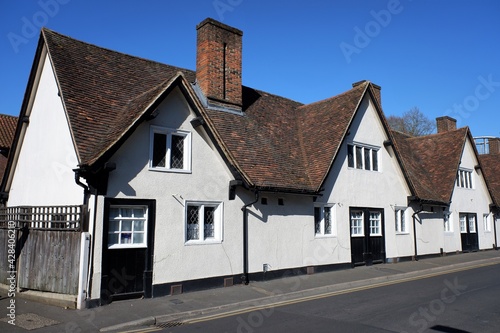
43,174
475,200
430,231
349,187
208,181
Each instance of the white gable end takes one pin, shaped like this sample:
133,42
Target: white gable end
43,174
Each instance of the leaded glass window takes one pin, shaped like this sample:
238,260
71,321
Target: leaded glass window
203,222
170,150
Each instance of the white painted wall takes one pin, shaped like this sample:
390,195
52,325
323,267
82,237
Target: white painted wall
283,237
429,228
208,181
387,189
43,174
476,200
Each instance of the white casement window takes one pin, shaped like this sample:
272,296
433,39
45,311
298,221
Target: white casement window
448,226
170,150
463,223
375,224
324,220
464,178
401,225
472,223
127,227
203,223
357,223
363,157
487,222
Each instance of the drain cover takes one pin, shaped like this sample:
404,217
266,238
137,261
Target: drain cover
169,324
32,321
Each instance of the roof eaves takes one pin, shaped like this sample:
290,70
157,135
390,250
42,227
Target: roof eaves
158,93
346,129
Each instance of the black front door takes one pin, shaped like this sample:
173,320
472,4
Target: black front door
468,232
127,249
367,236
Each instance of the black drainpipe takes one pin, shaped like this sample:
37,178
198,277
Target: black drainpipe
86,196
415,231
245,237
495,228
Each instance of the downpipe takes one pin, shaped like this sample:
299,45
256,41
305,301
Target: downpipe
244,209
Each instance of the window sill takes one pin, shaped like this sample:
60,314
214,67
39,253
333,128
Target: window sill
320,236
127,246
402,233
204,242
351,168
185,171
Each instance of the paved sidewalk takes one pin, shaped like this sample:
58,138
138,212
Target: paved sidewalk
123,315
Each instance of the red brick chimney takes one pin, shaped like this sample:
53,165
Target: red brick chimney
218,62
445,124
494,145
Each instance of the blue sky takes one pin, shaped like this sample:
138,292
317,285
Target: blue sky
440,56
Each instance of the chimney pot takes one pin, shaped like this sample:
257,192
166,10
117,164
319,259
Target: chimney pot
446,124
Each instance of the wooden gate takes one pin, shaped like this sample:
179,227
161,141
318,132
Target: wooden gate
47,249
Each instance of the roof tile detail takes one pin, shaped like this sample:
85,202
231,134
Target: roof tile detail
432,161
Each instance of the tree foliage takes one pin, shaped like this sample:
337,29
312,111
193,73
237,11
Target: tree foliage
412,122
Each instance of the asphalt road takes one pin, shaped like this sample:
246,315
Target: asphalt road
466,301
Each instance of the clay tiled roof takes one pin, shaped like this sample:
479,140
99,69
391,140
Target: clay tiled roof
7,129
431,162
491,169
104,91
323,127
277,143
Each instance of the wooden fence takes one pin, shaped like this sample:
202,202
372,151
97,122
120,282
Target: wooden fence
47,246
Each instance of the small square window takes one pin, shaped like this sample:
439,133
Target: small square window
464,179
127,227
263,201
170,150
281,202
203,222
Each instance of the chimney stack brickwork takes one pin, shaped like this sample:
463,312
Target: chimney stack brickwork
494,144
445,124
219,62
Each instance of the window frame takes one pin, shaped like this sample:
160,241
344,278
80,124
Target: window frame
169,132
464,179
379,225
132,245
487,222
401,220
360,227
365,152
322,226
218,222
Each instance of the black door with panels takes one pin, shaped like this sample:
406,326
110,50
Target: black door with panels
127,255
367,236
468,232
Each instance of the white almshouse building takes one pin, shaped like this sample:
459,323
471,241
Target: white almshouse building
134,178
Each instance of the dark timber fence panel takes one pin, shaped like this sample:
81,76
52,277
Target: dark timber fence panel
48,246
50,261
4,250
